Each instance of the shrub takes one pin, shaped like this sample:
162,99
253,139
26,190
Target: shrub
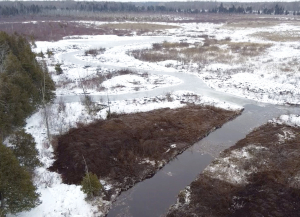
94,52
90,185
58,69
49,53
91,107
40,54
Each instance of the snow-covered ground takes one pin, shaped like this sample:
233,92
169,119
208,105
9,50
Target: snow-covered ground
272,76
259,78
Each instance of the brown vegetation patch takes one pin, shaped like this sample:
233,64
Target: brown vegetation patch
283,36
121,148
210,51
137,26
272,181
96,81
49,30
55,30
128,29
94,52
252,24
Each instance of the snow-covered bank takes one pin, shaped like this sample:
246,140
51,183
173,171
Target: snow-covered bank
291,120
257,167
67,115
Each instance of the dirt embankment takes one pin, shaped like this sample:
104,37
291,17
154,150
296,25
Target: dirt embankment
128,148
259,176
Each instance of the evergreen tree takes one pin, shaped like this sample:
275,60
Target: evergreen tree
90,185
232,9
221,8
249,10
23,147
17,193
21,83
16,91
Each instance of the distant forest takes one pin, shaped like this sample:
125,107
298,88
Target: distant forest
73,8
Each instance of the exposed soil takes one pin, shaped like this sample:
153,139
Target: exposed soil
128,148
265,166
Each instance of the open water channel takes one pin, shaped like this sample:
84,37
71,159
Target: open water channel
153,197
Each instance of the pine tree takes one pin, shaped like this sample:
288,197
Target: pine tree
17,193
23,147
90,185
15,90
22,80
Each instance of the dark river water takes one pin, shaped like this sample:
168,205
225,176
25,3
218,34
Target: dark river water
154,196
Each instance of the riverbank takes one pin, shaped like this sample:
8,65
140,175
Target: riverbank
128,148
257,176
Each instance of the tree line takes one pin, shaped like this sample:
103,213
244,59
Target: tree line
24,86
277,10
24,83
46,8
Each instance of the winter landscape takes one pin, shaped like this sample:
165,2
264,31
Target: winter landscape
176,116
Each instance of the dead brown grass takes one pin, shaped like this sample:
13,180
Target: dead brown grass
115,148
286,36
248,48
49,30
94,52
272,187
210,51
140,28
95,83
251,24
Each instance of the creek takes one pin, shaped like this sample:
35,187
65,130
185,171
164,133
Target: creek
153,197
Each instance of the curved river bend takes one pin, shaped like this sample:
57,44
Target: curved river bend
153,197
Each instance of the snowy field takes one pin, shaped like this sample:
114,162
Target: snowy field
272,77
